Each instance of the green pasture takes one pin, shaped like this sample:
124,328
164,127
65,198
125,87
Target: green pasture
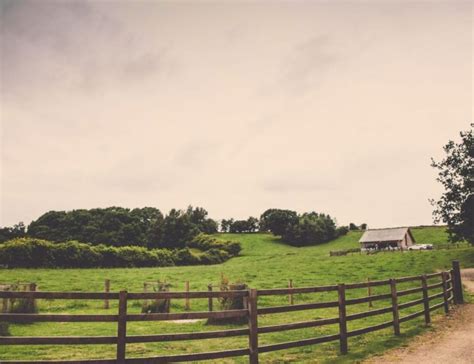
265,262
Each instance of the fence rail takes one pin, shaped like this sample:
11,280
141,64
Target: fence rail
451,292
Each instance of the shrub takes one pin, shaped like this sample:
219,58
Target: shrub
158,305
206,242
23,305
27,253
230,303
186,257
74,254
214,256
34,253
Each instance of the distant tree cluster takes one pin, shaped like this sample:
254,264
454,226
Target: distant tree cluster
117,226
240,226
16,231
353,226
300,230
148,228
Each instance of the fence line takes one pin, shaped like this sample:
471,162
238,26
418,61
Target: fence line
451,292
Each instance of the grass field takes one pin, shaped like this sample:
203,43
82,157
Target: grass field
265,262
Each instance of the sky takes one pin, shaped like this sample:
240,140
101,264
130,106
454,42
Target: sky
235,106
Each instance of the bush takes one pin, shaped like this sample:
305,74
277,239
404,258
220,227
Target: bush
206,242
158,305
186,257
230,303
35,253
214,256
23,305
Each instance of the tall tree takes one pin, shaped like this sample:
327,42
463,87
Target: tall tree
456,174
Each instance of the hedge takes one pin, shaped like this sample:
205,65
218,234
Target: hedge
37,253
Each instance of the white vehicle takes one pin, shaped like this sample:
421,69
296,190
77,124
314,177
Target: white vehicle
421,247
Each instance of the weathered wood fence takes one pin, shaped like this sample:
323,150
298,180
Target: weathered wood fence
449,282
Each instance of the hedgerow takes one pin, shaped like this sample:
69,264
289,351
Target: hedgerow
37,253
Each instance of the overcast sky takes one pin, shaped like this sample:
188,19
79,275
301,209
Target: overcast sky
237,107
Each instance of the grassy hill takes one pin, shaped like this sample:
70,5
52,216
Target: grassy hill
265,262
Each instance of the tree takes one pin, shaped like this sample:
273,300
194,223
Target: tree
226,224
16,231
177,230
312,228
363,226
252,224
198,216
353,226
456,174
278,221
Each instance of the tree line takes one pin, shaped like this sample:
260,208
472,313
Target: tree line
148,227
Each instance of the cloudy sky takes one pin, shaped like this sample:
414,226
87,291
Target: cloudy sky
329,106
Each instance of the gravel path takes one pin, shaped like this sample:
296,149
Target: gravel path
452,341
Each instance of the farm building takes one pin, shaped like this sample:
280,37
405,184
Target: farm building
400,238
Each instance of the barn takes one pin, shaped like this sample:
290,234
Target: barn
400,238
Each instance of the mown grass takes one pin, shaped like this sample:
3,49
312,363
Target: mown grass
265,262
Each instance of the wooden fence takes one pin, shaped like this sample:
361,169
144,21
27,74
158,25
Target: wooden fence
449,282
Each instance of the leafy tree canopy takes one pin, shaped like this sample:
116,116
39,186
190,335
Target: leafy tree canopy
456,174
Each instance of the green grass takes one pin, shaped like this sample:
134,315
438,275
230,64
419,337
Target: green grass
265,262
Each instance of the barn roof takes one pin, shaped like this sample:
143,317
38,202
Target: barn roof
378,235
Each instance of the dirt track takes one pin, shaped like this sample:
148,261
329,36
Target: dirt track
452,341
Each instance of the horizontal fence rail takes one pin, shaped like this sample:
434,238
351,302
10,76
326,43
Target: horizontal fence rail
449,282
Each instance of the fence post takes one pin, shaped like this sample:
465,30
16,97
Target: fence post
5,302
290,294
107,290
445,292
426,302
32,301
341,289
369,292
253,326
396,319
209,300
457,283
186,301
122,327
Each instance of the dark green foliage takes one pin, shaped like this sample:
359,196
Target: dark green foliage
342,230
177,230
278,221
198,217
244,226
456,174
226,224
205,242
363,226
115,226
36,253
300,230
353,226
214,256
186,257
312,228
16,231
